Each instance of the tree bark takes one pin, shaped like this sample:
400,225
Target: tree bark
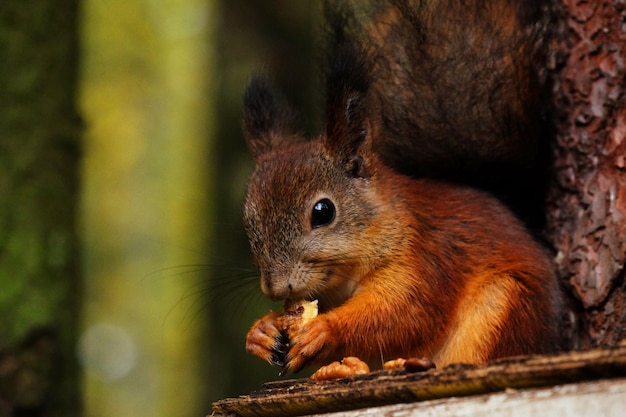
39,152
587,205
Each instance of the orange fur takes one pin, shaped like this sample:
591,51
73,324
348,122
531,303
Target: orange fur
445,272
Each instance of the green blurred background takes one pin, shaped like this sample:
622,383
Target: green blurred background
169,288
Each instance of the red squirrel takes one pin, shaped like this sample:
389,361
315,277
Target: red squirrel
372,219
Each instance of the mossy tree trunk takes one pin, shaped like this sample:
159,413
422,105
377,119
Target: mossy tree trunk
39,152
587,207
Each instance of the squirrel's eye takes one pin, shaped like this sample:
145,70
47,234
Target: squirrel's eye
323,213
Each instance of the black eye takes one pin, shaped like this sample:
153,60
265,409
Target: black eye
323,213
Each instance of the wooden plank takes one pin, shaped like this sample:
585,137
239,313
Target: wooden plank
304,397
606,398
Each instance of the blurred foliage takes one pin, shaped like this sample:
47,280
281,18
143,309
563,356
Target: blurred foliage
39,154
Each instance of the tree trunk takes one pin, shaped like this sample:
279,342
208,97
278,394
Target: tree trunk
587,205
39,152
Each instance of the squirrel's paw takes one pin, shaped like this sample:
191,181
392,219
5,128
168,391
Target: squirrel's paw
266,341
309,342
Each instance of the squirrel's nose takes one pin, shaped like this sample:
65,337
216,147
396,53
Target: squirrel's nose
274,286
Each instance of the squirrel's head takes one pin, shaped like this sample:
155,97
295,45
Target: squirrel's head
308,205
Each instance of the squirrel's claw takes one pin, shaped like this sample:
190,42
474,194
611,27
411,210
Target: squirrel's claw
280,348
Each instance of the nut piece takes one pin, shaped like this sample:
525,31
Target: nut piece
347,367
303,310
394,364
310,310
410,364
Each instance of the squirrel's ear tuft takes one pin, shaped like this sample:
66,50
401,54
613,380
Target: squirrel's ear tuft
347,85
267,121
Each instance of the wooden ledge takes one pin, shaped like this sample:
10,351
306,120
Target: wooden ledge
299,397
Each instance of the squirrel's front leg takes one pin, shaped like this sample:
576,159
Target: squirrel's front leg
367,326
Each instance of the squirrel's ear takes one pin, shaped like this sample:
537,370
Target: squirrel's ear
348,126
267,121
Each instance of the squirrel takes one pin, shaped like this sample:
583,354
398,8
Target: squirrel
374,218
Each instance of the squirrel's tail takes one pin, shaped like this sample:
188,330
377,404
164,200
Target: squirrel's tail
458,91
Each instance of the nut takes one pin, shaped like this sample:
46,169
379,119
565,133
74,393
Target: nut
349,366
410,364
303,310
